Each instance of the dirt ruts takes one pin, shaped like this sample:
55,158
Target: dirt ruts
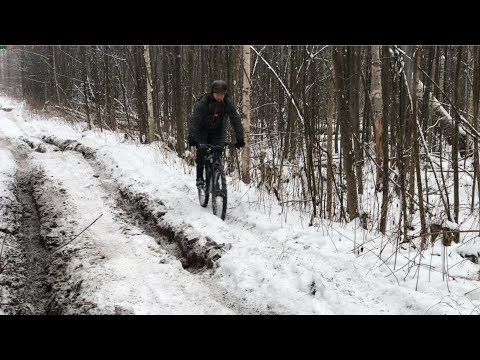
194,254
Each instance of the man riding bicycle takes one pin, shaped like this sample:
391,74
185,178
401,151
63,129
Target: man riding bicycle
207,123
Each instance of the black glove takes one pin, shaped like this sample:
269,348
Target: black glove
191,141
240,143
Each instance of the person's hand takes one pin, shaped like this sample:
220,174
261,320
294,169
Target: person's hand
191,141
240,143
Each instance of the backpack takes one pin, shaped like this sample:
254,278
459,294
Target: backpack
201,97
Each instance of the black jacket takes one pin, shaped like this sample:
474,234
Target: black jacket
208,115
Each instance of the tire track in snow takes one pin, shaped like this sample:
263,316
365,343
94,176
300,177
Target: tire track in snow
140,208
128,257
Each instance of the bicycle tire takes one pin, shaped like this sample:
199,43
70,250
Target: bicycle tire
203,194
219,195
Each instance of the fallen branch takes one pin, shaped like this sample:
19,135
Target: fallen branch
68,242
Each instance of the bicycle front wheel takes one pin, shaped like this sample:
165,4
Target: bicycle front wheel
203,197
203,194
219,195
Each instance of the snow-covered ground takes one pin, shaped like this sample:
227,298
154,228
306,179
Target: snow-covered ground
271,263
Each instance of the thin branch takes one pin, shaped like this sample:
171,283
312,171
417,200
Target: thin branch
68,242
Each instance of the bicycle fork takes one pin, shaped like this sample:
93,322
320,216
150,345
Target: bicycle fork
214,166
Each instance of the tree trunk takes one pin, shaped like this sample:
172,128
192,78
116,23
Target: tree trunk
55,79
290,112
177,100
96,90
166,96
150,121
376,93
330,116
456,184
246,115
416,157
346,132
426,104
84,73
354,102
109,119
476,97
401,158
386,91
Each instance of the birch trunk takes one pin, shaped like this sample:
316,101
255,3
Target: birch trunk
246,115
456,139
346,131
376,93
85,78
177,100
476,96
386,91
55,80
150,121
330,115
416,154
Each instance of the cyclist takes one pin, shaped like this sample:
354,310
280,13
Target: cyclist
207,123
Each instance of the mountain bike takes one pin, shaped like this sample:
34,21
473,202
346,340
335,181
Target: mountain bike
215,181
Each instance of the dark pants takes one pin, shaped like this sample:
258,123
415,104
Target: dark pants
213,137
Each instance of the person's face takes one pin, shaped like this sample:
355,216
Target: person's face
219,96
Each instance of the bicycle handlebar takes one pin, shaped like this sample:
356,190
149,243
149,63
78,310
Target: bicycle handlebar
224,144
215,147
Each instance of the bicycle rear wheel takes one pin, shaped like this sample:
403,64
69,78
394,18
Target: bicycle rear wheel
219,195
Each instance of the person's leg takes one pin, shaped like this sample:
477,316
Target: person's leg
200,165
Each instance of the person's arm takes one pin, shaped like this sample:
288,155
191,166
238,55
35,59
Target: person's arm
235,119
195,124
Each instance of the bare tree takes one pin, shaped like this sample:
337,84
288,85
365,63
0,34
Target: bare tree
84,73
330,118
345,129
456,200
386,91
177,101
301,115
416,156
376,94
354,103
55,78
475,100
246,114
96,88
151,122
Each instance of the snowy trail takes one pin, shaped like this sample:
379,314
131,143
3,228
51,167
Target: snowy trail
268,266
127,272
279,287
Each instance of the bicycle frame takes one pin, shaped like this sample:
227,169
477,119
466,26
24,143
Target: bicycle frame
213,162
215,179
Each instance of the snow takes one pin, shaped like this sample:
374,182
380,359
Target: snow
273,263
451,225
7,187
